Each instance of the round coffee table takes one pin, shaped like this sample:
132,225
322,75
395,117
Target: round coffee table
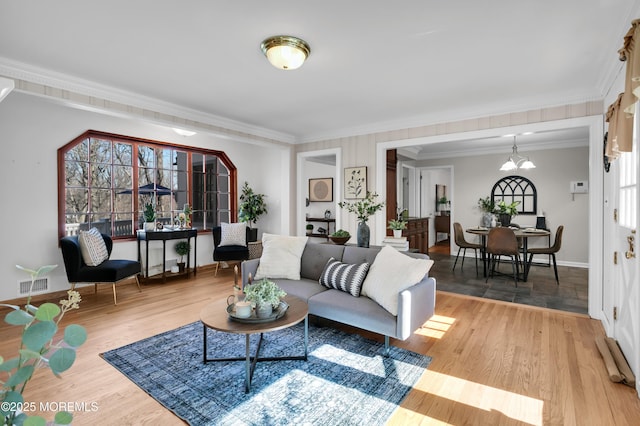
215,316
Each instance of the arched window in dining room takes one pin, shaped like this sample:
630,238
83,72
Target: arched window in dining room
516,188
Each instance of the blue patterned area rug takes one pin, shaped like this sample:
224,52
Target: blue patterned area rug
346,379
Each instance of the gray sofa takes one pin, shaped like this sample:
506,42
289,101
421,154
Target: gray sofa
415,304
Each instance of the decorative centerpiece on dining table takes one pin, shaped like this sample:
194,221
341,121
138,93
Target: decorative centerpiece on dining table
265,295
363,208
487,207
506,211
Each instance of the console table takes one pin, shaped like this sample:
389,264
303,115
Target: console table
164,235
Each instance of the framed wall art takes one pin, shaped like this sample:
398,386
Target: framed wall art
355,182
321,189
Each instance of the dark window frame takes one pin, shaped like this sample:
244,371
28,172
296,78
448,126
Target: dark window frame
137,209
516,188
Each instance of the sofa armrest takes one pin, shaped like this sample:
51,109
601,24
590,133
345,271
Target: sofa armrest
249,267
415,306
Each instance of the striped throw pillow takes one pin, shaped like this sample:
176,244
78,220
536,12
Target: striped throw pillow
343,276
92,246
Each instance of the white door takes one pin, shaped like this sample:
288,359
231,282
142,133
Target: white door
626,325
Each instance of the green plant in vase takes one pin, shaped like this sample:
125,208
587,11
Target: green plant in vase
506,211
149,215
252,206
363,209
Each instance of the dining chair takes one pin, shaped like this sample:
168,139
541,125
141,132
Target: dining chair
551,250
502,241
463,244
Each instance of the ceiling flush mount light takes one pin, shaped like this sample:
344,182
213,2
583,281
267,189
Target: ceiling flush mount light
517,161
6,86
285,52
183,132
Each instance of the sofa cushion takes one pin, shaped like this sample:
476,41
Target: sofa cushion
280,257
233,234
353,254
302,289
343,276
361,312
92,246
390,273
315,257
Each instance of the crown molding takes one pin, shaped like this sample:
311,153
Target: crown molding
457,115
95,91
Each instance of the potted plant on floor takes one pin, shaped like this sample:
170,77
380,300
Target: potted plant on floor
182,248
397,226
363,209
265,295
252,206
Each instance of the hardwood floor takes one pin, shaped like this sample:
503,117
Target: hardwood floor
493,362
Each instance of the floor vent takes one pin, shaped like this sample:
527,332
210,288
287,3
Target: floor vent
41,285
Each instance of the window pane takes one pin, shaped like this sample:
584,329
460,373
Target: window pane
100,151
223,184
101,201
122,154
222,169
180,160
197,161
146,156
100,175
76,173
79,152
122,178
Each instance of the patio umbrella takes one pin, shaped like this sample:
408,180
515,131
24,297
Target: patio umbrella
149,189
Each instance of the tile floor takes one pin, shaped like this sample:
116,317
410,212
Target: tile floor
539,290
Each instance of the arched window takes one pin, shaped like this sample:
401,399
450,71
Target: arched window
106,180
516,188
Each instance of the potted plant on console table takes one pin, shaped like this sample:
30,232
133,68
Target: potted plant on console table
363,209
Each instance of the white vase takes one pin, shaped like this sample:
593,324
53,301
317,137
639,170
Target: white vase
149,226
397,233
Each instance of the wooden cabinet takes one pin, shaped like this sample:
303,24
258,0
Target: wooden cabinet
417,234
442,225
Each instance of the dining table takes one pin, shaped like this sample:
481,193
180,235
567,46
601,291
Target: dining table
523,233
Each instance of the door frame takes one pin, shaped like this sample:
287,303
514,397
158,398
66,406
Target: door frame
302,158
596,131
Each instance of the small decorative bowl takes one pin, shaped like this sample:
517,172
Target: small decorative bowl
339,240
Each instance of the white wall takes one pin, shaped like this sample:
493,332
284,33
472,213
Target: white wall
31,131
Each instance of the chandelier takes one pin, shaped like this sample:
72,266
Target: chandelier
517,161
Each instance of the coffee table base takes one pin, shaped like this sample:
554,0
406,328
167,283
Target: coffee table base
251,361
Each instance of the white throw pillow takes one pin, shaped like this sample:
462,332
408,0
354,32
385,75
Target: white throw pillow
280,257
391,273
233,234
92,246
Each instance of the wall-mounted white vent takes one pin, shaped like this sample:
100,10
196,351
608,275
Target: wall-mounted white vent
41,285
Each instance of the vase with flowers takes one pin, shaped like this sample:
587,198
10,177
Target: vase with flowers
363,209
